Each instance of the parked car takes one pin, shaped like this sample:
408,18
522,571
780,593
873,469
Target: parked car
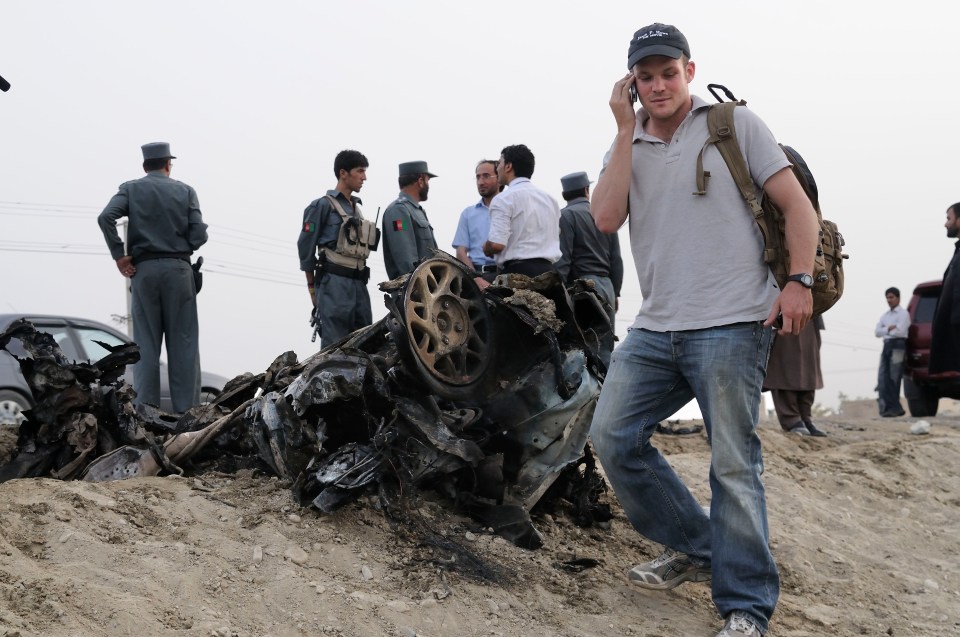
922,389
77,338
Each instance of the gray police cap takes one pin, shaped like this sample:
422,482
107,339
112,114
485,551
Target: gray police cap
415,168
156,150
574,181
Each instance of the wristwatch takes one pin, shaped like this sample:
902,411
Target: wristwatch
803,279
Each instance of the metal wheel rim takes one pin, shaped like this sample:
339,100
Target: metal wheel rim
447,323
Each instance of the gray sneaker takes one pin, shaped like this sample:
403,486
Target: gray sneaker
668,571
739,625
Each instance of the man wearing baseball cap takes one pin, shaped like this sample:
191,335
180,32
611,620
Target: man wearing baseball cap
164,228
407,233
704,329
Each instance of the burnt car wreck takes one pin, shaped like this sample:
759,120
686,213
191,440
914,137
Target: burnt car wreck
485,396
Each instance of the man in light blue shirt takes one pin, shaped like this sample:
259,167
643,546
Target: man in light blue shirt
474,225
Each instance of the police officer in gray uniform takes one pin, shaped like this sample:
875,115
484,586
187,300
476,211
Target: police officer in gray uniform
407,233
164,228
335,241
588,253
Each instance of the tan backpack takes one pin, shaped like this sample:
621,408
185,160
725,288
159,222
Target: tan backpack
828,265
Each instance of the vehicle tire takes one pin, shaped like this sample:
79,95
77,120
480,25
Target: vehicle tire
208,395
931,400
922,402
12,406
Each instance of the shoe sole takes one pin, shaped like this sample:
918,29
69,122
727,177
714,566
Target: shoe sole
692,576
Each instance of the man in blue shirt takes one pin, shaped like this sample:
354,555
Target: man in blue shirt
474,223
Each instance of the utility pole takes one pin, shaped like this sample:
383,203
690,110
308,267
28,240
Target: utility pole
128,285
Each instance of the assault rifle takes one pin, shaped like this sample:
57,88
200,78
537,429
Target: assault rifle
316,324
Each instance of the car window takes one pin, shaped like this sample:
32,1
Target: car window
93,350
61,334
926,305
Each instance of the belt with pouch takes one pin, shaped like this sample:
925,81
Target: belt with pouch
350,273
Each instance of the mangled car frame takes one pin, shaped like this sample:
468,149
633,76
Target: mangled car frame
486,396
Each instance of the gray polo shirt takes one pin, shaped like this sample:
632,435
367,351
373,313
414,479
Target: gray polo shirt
699,258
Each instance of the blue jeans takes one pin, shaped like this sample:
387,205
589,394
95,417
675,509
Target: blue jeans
888,378
654,374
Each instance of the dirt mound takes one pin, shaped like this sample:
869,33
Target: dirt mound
863,526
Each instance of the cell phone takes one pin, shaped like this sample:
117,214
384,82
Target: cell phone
633,94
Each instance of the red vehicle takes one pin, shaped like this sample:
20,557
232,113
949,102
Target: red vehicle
922,389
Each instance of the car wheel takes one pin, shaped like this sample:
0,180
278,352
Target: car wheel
931,400
922,402
208,395
12,406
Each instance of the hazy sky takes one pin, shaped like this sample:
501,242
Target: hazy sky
257,98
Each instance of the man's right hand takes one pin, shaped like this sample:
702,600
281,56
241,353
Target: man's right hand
126,267
621,104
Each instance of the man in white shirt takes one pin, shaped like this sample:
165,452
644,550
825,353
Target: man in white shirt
524,220
892,328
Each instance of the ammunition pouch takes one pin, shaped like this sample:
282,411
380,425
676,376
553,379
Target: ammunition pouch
355,241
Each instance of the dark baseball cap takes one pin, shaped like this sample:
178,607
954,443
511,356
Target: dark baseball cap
657,39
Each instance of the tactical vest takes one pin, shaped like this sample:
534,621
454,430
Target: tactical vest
355,241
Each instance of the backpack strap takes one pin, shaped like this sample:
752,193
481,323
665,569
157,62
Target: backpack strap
723,134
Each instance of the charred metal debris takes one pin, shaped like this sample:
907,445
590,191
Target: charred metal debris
485,396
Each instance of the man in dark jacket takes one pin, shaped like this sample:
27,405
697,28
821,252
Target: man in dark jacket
165,227
588,253
945,343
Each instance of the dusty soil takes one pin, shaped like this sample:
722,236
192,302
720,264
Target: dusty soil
864,526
